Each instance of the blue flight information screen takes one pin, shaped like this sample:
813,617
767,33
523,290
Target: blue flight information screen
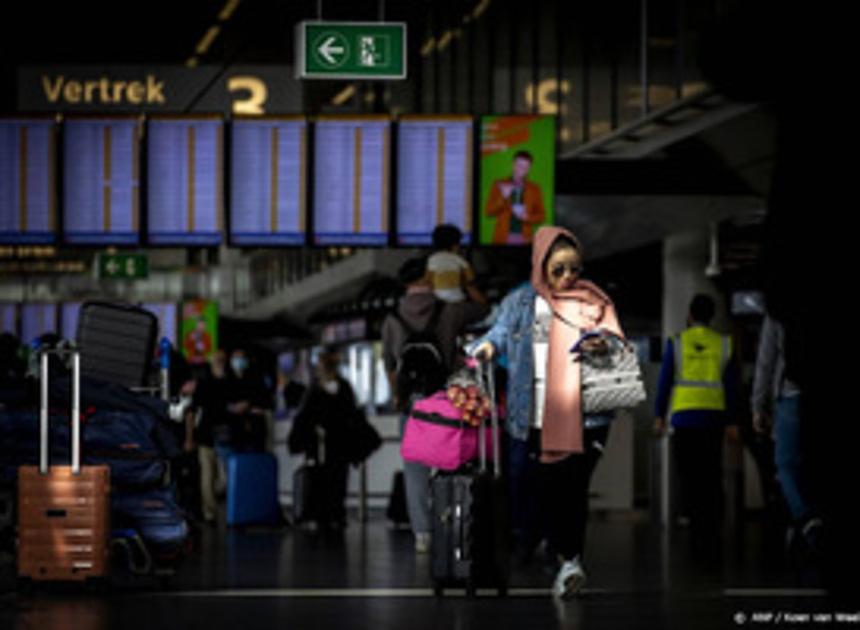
268,171
9,318
101,181
434,176
185,196
351,175
28,200
69,314
167,314
36,320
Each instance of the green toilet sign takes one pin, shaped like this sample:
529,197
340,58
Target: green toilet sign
351,50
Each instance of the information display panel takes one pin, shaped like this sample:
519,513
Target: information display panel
268,175
168,324
69,312
351,180
185,192
36,320
28,167
517,178
9,318
434,176
101,181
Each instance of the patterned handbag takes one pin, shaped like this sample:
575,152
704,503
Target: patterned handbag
612,379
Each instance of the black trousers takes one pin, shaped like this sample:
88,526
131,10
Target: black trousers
564,494
698,455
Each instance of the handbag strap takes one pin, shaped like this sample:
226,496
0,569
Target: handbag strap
436,418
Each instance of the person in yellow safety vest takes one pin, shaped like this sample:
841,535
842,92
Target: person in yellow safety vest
698,389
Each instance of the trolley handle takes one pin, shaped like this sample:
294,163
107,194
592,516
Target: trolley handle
75,410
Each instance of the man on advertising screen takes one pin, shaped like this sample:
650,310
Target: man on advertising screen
516,203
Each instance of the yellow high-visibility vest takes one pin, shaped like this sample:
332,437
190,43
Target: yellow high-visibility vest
701,356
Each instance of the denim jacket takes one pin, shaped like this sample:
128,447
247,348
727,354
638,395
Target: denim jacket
511,334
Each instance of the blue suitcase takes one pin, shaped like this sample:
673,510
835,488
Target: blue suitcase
252,489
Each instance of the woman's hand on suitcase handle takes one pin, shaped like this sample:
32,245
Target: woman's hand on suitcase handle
485,351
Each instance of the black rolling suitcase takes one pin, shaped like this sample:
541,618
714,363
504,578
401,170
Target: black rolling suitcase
309,486
470,546
117,343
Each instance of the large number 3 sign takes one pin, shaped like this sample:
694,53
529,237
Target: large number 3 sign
252,93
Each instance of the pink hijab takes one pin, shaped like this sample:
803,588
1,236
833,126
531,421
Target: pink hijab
584,307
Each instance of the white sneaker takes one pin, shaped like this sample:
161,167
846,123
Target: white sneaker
422,542
570,579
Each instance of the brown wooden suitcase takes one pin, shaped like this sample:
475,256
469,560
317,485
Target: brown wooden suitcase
63,511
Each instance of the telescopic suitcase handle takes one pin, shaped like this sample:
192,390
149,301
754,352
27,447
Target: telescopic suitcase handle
76,409
487,382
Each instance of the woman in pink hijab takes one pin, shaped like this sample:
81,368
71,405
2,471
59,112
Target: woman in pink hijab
554,448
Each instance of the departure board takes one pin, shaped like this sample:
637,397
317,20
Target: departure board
36,320
28,200
268,171
434,177
69,312
185,181
9,318
166,312
351,180
101,181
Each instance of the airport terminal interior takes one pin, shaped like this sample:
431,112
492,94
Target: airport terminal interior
253,252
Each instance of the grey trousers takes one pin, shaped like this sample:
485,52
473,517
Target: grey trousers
212,481
416,478
417,481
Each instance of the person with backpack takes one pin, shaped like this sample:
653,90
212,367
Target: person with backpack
419,341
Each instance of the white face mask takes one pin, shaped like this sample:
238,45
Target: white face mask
330,386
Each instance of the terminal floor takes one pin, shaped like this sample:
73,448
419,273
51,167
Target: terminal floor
369,577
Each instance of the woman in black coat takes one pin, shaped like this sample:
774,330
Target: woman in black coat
321,430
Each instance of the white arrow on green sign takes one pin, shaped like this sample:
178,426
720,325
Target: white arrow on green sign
351,50
123,266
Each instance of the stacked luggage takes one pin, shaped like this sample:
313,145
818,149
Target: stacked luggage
126,433
470,515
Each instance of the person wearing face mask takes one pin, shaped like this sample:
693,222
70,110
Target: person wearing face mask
554,448
321,431
247,401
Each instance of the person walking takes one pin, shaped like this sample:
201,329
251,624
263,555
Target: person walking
697,388
554,447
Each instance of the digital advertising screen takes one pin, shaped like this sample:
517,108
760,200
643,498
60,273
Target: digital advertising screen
168,324
517,178
9,318
434,176
268,174
199,330
101,181
36,320
185,196
28,167
351,180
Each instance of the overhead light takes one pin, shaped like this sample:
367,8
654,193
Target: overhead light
428,47
445,40
479,10
228,10
191,63
207,40
344,95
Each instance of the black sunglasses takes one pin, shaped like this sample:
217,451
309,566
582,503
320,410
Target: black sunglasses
558,270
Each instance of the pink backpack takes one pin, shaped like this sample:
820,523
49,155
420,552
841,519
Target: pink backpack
436,436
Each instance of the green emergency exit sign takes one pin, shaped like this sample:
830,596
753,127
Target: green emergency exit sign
351,50
123,266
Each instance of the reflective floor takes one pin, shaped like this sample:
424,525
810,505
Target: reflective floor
369,577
